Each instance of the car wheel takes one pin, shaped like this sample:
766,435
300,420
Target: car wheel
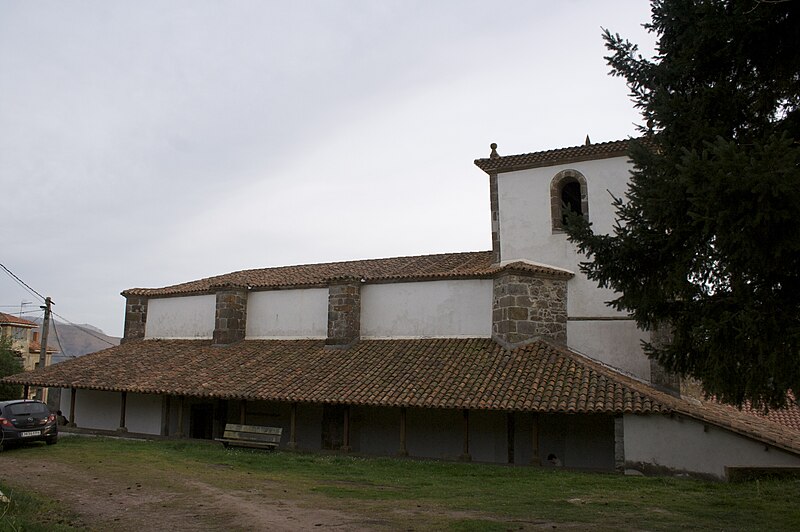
52,441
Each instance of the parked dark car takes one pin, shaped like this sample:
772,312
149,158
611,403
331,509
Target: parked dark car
25,421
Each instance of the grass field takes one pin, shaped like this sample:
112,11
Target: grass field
410,494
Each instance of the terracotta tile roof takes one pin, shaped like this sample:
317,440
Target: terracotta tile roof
472,373
477,264
36,347
510,163
788,417
9,319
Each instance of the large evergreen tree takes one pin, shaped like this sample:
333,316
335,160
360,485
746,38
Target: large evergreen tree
9,365
708,235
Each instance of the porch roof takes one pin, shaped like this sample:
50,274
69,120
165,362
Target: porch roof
474,373
471,373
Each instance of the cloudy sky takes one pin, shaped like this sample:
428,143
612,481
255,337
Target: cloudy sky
149,142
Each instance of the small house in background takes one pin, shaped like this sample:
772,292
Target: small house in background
25,343
25,340
506,355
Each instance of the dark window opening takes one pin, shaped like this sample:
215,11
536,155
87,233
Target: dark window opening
570,199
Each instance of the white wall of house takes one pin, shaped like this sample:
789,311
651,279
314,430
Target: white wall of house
188,318
526,227
143,413
433,309
95,409
434,433
684,444
579,440
375,430
287,314
488,436
616,343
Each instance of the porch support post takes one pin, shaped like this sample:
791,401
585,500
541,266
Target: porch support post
465,456
293,427
535,458
179,432
242,411
619,444
346,432
72,397
403,449
165,417
510,431
122,404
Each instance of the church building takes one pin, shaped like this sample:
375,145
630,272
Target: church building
508,355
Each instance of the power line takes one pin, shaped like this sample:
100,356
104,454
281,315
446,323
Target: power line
87,331
21,282
58,341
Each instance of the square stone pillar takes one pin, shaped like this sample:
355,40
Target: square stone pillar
528,305
135,317
344,312
230,318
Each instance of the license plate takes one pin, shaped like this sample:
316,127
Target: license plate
31,433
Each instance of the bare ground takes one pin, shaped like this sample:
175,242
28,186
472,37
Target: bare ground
108,502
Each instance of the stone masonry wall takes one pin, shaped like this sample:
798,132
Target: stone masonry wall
526,306
135,317
494,203
659,376
344,313
230,319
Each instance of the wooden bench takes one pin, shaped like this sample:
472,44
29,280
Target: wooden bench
251,436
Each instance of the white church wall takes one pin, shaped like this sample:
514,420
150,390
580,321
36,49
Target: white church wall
684,444
433,309
188,318
433,433
143,413
616,343
287,314
375,430
100,410
93,409
526,226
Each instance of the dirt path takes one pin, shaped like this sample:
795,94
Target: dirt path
108,502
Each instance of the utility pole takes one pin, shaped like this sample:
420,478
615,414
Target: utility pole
45,329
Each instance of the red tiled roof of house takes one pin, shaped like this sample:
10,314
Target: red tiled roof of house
477,264
9,319
474,373
588,152
35,347
788,416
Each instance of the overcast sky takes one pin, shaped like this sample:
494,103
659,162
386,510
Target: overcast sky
147,143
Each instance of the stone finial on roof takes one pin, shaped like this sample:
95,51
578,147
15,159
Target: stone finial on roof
494,154
587,142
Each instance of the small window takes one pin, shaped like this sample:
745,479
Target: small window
570,199
568,192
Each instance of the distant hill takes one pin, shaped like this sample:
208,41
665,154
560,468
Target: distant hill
76,340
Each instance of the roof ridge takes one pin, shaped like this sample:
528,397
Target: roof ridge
465,264
585,152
